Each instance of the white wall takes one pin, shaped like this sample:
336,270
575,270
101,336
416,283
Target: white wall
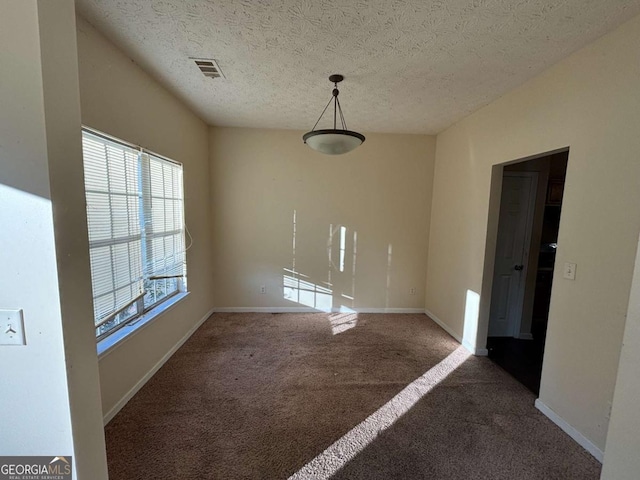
29,279
50,394
380,193
621,459
118,98
590,103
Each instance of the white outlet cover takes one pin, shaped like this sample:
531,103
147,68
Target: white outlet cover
569,271
12,328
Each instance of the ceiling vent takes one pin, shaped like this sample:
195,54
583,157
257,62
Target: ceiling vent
209,67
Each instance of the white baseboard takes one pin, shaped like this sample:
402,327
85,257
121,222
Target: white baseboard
479,352
444,326
313,310
129,395
580,439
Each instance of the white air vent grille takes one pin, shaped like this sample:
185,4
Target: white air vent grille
209,67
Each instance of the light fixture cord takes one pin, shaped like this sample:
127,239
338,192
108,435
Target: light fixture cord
336,109
325,109
335,103
344,123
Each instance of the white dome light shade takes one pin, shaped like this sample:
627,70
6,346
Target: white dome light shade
333,142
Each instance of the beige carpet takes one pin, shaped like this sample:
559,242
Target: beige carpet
343,396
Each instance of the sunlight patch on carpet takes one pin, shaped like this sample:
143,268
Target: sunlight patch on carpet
325,465
343,321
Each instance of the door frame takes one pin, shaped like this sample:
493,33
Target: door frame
495,194
533,194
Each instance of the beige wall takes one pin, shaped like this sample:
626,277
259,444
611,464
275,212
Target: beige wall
590,103
58,45
50,391
120,99
380,192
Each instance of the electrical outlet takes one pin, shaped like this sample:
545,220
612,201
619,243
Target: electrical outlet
569,271
412,291
12,328
263,289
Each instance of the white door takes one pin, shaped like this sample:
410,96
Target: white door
512,252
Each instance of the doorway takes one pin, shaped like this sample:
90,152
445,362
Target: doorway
526,242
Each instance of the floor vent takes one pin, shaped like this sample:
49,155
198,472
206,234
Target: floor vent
209,67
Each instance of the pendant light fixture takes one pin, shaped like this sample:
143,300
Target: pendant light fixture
333,141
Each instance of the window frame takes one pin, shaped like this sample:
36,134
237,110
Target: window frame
143,313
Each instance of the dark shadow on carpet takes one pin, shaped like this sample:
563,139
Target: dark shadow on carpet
477,424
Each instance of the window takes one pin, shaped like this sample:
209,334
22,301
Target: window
135,215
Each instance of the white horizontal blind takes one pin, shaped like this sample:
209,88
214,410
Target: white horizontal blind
163,200
113,192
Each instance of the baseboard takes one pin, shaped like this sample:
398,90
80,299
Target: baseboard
129,395
444,326
580,439
313,310
479,352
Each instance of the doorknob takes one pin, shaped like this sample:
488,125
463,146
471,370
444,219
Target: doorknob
518,267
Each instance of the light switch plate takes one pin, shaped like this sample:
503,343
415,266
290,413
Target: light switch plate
12,328
569,271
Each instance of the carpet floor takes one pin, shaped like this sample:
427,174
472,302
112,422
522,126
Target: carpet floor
342,396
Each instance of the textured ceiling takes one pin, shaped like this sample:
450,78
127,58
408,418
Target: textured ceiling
411,66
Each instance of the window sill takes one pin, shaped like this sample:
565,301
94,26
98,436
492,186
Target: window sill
110,342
